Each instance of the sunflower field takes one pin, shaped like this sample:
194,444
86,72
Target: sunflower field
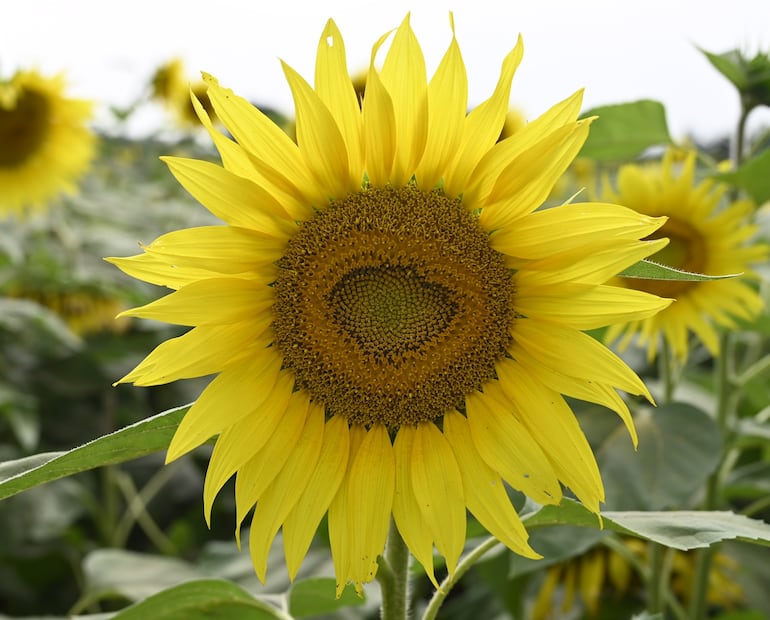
392,353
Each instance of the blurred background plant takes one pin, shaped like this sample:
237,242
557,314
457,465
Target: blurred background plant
95,542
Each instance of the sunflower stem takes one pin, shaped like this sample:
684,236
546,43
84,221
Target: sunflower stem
393,575
439,596
658,576
724,413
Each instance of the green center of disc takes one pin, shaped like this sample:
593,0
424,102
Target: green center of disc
391,309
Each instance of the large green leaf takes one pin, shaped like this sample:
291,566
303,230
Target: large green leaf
623,131
315,597
209,599
752,177
679,529
128,443
679,446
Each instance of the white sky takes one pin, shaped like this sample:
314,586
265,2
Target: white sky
618,50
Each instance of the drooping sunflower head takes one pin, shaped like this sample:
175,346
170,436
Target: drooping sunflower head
45,142
393,322
706,236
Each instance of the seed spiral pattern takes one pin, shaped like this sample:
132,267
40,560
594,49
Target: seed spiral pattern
391,306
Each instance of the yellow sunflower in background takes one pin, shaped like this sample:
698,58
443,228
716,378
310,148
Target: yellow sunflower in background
45,142
172,88
602,573
392,322
705,237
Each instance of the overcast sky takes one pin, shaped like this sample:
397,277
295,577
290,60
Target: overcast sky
618,50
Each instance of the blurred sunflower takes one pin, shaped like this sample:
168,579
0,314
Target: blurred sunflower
705,237
603,573
45,143
172,88
85,311
392,324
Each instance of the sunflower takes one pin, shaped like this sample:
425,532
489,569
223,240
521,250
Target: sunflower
392,323
45,144
170,87
705,237
602,573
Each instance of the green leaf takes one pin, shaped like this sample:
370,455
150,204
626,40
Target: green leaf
679,446
128,443
208,599
731,65
752,177
649,270
751,76
132,575
623,131
679,529
314,597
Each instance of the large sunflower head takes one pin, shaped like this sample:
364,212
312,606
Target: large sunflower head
45,143
706,236
392,321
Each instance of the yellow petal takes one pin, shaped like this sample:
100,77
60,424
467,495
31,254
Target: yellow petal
585,306
503,153
379,126
285,490
509,449
221,249
234,158
212,301
242,442
403,75
319,139
447,105
483,125
577,225
371,483
438,488
334,87
204,350
559,347
596,265
249,382
590,391
156,270
406,512
275,157
323,482
484,490
528,180
233,199
341,521
555,428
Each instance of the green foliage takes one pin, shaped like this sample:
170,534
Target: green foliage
685,529
650,270
750,76
753,177
624,131
137,440
314,597
209,599
679,447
